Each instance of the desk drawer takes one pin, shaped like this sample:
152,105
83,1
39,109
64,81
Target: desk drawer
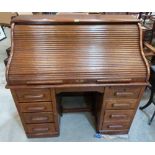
35,107
43,117
118,115
39,129
114,126
30,95
121,104
122,92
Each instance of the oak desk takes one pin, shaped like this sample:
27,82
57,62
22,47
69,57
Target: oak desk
101,54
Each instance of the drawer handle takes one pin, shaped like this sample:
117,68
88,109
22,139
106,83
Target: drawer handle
36,108
43,118
121,105
40,129
115,126
34,96
118,116
121,94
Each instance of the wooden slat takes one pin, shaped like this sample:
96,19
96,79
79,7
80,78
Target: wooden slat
70,52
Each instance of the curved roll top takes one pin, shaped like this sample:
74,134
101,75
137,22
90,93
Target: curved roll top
108,52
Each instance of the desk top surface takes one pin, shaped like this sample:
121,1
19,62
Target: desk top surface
71,18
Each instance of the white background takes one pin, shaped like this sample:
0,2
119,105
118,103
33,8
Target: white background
77,5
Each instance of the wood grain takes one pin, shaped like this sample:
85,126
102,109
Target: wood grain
101,54
70,52
82,18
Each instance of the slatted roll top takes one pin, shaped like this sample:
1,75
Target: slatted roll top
76,49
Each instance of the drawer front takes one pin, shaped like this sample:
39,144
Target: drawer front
36,107
43,117
122,92
46,128
118,115
121,104
29,95
115,126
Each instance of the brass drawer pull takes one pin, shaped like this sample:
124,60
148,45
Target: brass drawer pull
120,94
118,116
43,118
121,105
41,129
33,96
36,108
115,126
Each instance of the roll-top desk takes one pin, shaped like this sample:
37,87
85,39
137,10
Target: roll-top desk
76,53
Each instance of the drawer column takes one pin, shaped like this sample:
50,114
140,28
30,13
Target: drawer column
118,109
38,111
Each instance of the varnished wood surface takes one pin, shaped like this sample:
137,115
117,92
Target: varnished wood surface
73,18
62,54
123,117
120,104
82,87
36,107
42,117
128,92
99,54
39,118
118,115
142,53
27,95
112,127
41,130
